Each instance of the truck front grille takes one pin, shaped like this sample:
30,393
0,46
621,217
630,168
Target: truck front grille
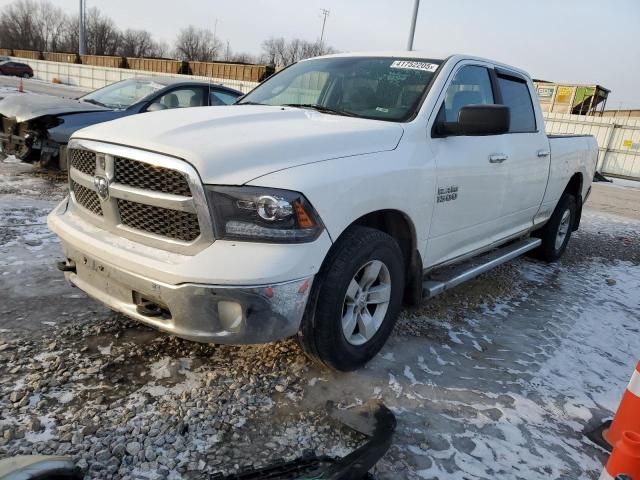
150,177
82,160
154,200
159,221
86,198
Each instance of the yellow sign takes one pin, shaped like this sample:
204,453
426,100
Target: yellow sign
564,94
627,143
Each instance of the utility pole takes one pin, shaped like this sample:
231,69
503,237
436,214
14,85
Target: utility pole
82,44
412,30
325,13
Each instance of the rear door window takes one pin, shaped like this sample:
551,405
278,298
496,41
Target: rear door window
516,96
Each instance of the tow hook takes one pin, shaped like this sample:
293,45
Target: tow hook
67,266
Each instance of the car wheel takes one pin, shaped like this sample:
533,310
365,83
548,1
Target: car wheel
556,233
356,300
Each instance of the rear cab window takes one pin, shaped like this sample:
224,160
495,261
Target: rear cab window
515,95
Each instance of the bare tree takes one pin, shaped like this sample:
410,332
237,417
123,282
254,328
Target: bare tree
19,27
102,36
273,49
197,44
280,53
138,43
69,38
50,24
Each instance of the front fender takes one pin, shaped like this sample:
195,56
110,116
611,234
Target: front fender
346,189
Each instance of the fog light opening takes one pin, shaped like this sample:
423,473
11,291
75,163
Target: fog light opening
230,315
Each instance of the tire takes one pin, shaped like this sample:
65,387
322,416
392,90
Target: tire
360,254
556,233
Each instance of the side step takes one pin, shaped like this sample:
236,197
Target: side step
448,278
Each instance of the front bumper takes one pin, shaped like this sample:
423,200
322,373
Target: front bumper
23,145
202,313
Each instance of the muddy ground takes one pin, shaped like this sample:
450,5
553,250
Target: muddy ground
498,378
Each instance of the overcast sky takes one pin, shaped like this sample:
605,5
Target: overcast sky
581,41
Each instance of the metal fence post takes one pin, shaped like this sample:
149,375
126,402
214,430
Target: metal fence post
612,130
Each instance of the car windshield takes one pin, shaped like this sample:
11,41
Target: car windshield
368,87
123,94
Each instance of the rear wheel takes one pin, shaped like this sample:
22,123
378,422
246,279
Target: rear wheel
556,233
356,300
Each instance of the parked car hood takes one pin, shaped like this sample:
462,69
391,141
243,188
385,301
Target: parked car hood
235,144
28,106
74,121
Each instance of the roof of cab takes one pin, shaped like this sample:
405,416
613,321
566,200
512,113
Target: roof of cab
454,58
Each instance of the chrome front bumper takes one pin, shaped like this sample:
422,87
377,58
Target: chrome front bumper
202,313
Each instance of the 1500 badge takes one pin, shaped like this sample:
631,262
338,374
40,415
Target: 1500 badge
447,194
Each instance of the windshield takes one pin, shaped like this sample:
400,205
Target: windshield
123,94
368,87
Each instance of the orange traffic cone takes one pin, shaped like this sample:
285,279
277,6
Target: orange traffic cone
21,87
625,458
626,418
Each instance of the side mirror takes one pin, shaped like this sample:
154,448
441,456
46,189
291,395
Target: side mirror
477,120
154,107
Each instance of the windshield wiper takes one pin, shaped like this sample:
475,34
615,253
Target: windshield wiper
250,103
321,108
95,102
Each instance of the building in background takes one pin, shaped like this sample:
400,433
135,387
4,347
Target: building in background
575,99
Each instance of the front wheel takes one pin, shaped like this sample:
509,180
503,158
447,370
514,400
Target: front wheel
556,233
356,300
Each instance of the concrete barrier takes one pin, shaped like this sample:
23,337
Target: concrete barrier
94,77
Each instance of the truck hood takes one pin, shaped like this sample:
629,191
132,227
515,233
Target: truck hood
235,144
27,106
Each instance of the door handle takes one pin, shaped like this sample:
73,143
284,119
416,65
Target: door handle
543,153
497,158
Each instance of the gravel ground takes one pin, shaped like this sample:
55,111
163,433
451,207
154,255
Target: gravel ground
495,379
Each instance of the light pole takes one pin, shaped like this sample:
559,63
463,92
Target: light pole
412,30
82,44
325,13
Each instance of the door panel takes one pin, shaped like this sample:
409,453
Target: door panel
468,220
528,166
470,186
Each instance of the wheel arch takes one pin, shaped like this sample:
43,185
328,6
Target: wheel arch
574,187
401,228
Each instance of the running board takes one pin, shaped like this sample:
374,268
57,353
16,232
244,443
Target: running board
448,278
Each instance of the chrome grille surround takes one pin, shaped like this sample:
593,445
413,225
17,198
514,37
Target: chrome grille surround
152,215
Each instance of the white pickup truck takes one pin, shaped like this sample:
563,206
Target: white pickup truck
334,191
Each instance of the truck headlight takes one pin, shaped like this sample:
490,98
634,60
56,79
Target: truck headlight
260,214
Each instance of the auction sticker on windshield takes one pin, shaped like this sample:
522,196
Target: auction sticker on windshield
425,66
